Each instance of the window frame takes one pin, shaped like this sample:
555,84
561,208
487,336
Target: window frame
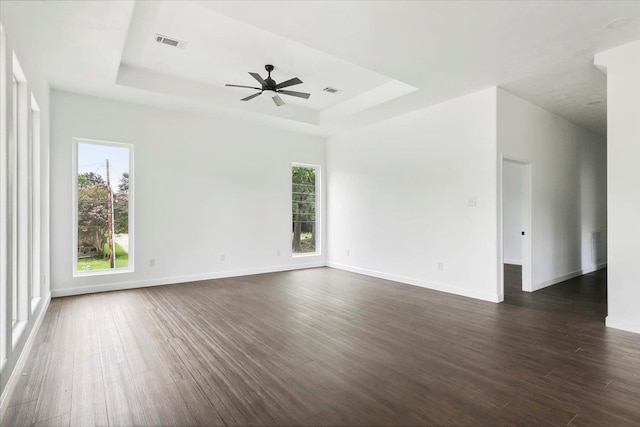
35,200
13,195
318,194
4,200
74,206
20,182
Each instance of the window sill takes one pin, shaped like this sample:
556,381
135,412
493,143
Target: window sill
90,273
306,255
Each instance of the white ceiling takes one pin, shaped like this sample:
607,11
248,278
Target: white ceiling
223,50
388,57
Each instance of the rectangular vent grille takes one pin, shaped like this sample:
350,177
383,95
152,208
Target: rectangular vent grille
331,89
169,41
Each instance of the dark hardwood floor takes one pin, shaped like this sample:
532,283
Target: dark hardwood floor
584,296
327,347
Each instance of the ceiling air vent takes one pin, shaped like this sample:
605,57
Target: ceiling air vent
331,89
169,41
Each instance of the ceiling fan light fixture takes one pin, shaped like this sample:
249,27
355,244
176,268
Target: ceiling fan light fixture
278,101
274,96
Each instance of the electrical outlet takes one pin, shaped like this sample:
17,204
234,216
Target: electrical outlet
152,262
440,266
278,252
348,252
222,257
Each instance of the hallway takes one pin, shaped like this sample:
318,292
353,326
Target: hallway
584,296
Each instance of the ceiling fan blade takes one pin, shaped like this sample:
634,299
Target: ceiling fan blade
248,87
292,93
279,102
293,81
251,96
258,78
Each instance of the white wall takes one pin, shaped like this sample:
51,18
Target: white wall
204,186
512,212
622,66
568,169
14,218
398,193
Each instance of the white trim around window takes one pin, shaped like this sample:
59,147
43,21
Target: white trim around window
74,202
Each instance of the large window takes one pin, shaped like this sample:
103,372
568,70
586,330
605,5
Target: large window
103,208
304,207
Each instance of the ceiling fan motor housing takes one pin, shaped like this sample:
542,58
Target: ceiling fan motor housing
271,84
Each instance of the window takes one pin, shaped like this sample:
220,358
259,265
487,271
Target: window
13,145
20,238
4,198
103,193
34,198
304,208
19,210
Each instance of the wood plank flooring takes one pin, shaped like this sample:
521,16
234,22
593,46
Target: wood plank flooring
584,296
327,347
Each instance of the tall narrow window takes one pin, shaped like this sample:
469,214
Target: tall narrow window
104,234
13,159
22,236
304,204
18,237
4,199
34,158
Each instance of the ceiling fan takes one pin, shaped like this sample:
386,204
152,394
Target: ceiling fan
270,88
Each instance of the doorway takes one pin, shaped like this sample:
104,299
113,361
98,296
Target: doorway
516,224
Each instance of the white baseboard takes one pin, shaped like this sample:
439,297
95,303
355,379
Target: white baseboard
512,261
596,268
24,355
107,287
556,280
622,324
418,282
